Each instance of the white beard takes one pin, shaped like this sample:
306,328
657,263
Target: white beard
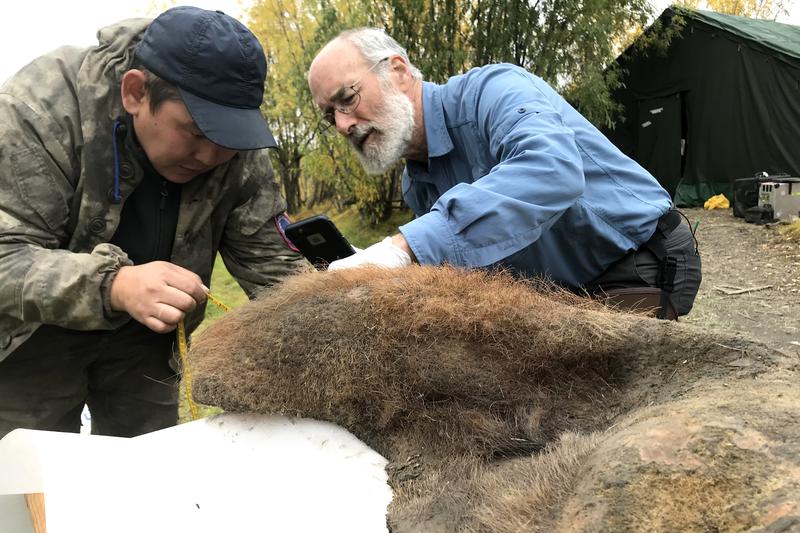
390,134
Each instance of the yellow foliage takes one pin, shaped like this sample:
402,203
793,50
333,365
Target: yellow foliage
759,9
747,8
291,32
690,4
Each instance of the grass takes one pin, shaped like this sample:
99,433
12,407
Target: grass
361,234
791,231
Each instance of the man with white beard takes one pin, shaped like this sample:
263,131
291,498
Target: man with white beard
502,172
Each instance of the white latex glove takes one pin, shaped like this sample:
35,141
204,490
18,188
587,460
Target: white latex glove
383,254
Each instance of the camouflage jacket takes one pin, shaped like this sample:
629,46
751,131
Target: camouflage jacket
57,207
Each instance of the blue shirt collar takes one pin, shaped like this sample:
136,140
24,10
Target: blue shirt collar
436,134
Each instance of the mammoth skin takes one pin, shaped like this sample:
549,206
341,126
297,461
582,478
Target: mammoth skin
509,405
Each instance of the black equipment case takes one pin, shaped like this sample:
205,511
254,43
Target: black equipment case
745,191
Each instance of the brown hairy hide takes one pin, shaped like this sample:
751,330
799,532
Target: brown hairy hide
489,395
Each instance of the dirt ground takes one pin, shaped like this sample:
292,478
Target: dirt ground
751,279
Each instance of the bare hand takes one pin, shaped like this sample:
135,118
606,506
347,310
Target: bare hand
157,294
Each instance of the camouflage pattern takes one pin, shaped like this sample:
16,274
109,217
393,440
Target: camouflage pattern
57,209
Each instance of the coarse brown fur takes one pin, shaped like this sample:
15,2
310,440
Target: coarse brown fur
492,397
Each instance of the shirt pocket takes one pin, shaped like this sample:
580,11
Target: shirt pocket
40,186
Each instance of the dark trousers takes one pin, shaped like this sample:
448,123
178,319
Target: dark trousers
124,376
641,268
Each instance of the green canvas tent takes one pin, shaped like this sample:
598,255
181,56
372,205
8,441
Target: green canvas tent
723,103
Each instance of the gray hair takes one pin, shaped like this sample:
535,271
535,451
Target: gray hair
374,44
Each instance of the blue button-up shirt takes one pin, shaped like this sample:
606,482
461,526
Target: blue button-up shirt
516,177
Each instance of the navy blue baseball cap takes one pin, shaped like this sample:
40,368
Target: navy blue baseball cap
219,67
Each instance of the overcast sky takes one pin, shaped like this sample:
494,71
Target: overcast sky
29,28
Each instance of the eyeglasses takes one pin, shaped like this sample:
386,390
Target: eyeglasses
345,101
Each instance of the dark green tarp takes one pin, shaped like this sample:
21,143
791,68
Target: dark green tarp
723,103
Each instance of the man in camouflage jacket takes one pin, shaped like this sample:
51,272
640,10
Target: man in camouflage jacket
91,174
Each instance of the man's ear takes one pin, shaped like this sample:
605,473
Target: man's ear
401,72
134,95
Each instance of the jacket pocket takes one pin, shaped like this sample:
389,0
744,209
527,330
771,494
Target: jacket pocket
37,182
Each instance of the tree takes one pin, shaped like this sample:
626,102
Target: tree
571,44
276,23
758,9
311,167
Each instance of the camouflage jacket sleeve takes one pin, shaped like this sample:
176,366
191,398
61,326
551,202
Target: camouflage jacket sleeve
40,279
253,248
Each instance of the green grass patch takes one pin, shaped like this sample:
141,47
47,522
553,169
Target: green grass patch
360,233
